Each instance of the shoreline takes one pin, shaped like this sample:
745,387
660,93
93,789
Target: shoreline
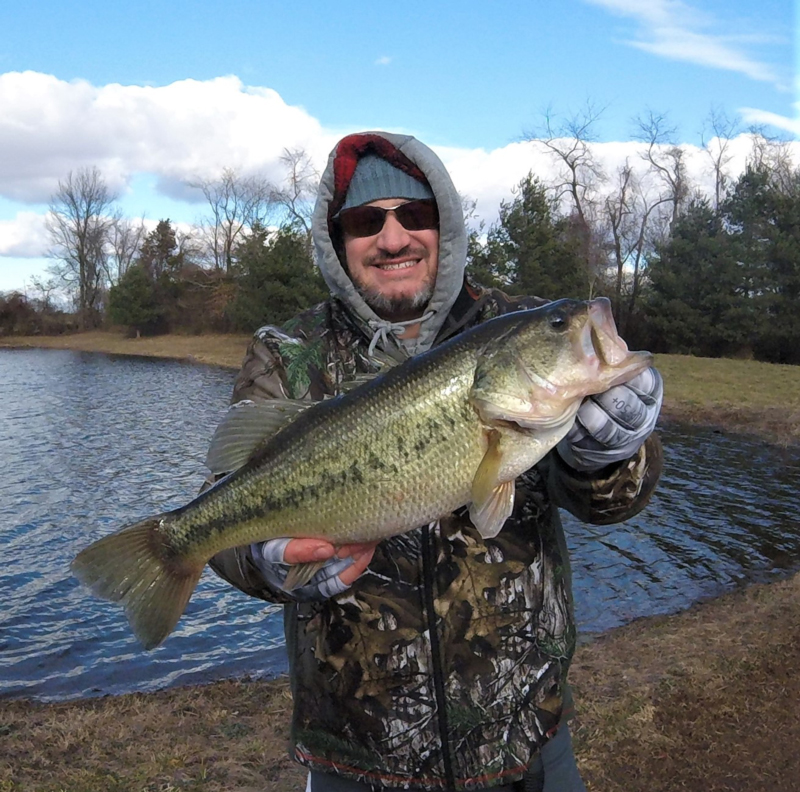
772,423
703,699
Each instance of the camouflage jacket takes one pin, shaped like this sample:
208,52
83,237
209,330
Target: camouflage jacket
444,666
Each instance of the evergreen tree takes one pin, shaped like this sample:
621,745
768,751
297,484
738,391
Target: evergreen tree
159,253
763,216
529,251
275,278
133,301
699,298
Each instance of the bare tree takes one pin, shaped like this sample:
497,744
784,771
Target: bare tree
298,192
773,155
718,132
666,159
125,240
634,219
580,177
237,203
79,223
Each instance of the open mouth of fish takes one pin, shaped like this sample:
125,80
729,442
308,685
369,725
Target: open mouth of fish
602,345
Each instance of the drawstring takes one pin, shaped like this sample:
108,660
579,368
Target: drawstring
382,328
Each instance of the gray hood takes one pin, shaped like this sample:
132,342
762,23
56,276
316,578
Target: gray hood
452,244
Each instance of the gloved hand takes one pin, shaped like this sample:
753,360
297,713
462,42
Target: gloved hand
611,426
340,569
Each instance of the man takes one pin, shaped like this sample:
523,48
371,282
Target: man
431,660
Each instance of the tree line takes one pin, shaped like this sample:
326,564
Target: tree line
687,271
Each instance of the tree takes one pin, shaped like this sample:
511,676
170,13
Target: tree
298,193
633,224
529,251
133,302
125,239
237,204
578,182
761,214
666,160
700,300
718,132
275,278
159,253
79,223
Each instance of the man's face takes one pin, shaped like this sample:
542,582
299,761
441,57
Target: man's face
395,269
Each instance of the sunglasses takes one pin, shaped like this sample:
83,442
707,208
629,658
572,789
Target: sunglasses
364,221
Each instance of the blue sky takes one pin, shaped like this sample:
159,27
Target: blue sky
159,93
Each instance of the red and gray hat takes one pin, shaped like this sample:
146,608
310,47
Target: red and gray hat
368,168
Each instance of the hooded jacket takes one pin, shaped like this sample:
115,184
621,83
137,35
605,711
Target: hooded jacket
444,666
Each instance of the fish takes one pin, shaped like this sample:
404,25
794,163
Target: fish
451,427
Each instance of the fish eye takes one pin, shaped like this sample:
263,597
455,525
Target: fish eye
558,321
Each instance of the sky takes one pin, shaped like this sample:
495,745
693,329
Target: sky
160,95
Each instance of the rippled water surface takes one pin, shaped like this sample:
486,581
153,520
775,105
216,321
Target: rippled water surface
89,442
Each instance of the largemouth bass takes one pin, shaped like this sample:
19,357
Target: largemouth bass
451,427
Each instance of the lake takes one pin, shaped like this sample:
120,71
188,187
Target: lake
90,442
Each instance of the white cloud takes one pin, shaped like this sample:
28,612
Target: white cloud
24,236
751,115
675,30
192,129
385,60
186,130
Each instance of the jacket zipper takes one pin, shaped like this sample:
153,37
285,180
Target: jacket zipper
428,573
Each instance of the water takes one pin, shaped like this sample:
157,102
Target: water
89,442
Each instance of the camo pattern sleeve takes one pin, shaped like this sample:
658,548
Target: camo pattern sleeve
612,494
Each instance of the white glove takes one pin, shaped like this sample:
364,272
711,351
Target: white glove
326,583
611,426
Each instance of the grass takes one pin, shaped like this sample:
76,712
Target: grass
738,395
703,700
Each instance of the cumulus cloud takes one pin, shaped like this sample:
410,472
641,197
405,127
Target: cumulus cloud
181,132
191,130
24,236
675,30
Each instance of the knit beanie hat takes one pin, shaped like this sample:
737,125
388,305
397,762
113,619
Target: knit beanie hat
374,179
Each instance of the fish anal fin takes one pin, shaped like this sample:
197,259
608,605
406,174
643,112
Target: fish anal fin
301,574
131,567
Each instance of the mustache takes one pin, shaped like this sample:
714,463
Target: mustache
410,251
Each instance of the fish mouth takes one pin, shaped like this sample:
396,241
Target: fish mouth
602,345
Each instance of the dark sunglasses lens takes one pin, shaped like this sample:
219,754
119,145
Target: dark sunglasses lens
362,221
418,215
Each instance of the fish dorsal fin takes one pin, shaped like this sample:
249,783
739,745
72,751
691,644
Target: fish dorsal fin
246,425
492,500
384,363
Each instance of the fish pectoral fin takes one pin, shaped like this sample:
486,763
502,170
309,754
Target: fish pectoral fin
133,567
490,516
301,574
246,425
492,500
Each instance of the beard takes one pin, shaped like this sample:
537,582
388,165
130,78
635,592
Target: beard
399,308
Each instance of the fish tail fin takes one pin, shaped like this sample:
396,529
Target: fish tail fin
135,567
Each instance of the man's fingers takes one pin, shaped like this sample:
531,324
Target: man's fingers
361,559
302,551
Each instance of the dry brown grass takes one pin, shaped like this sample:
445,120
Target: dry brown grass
216,350
705,700
227,736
